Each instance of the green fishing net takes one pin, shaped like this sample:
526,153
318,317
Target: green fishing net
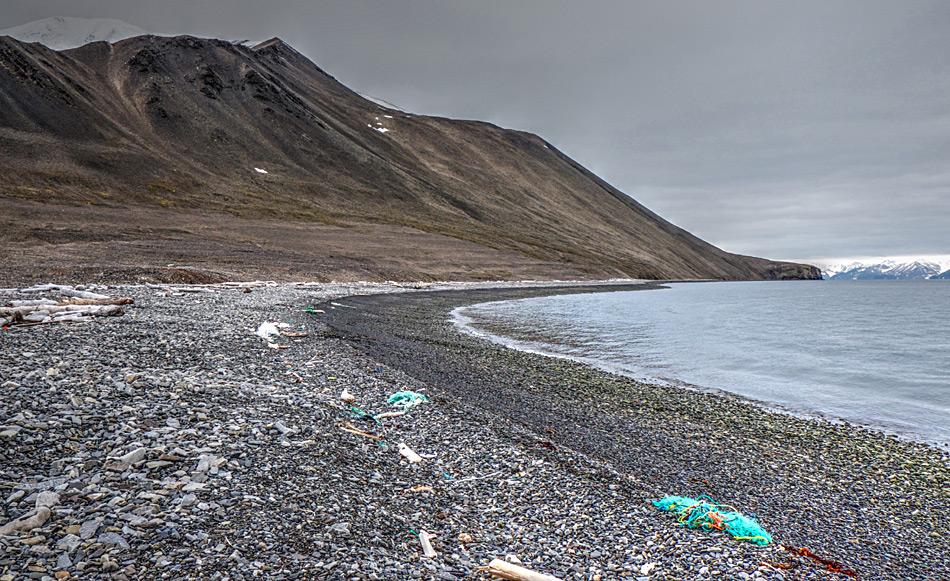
705,513
406,400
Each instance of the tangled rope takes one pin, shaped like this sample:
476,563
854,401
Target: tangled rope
706,514
406,400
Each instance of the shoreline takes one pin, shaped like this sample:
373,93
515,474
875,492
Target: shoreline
465,325
242,466
417,336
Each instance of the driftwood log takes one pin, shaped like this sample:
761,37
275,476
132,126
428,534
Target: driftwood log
52,310
505,570
27,523
45,501
105,301
77,305
63,290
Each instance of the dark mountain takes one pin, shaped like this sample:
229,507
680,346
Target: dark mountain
155,131
945,275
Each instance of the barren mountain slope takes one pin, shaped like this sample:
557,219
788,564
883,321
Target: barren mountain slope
189,124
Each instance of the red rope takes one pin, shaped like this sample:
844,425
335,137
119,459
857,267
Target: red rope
832,566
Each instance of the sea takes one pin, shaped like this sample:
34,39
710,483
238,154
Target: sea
872,353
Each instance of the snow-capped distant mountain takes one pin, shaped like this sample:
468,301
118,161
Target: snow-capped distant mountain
916,269
886,270
828,271
63,32
945,275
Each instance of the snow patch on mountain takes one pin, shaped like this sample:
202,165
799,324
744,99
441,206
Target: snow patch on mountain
64,32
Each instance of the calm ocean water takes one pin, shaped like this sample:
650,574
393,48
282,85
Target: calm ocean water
873,353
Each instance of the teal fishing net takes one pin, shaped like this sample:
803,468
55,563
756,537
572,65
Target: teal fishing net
406,400
705,513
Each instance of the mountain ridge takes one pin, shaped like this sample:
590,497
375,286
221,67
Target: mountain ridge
885,270
202,124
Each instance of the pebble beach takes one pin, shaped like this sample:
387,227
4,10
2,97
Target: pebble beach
174,442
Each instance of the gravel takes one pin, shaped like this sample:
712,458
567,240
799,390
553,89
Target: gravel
872,502
173,442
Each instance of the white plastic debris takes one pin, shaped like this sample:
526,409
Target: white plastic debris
267,330
408,454
425,539
259,170
346,396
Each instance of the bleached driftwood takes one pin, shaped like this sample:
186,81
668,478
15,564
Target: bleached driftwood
179,289
66,291
385,415
94,310
45,501
252,284
190,289
354,430
120,463
64,317
32,302
78,305
105,301
28,522
506,570
36,317
294,334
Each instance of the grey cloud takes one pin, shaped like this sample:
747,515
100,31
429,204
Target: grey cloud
784,129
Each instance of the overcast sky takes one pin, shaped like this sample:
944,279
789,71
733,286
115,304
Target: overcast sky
795,130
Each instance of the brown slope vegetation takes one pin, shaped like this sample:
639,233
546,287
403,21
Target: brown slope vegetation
181,124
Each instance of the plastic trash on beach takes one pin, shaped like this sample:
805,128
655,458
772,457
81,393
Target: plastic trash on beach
830,565
425,539
706,514
268,330
406,400
346,396
408,454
